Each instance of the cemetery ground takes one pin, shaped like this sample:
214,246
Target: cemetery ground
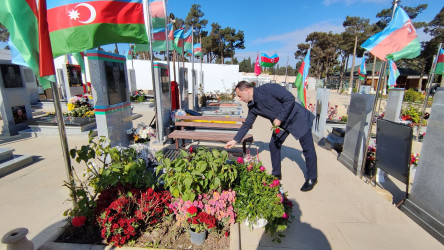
341,212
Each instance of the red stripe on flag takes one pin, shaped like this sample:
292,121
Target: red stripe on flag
301,69
160,36
33,6
46,60
440,58
157,10
269,60
78,14
106,56
395,41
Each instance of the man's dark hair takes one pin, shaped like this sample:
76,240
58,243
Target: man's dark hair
244,85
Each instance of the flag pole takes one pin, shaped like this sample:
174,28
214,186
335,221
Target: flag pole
46,59
429,83
200,60
367,140
195,97
147,17
167,52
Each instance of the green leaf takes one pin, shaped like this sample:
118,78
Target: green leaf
175,192
216,153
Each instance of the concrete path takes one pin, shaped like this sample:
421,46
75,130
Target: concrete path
342,212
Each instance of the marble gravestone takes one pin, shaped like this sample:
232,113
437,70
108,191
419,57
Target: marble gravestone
163,100
321,107
72,80
394,104
357,129
425,204
311,83
132,80
111,96
15,105
183,88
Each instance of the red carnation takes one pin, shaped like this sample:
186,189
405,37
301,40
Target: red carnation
227,234
191,149
192,210
277,131
78,221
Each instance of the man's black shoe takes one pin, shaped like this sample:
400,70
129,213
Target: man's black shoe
279,177
309,185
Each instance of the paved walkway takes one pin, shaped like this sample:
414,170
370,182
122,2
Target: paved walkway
342,212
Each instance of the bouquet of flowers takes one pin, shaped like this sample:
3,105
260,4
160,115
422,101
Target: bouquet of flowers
138,96
414,160
142,133
80,101
200,221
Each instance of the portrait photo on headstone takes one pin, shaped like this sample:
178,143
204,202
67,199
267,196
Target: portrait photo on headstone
11,76
115,79
74,75
164,79
19,114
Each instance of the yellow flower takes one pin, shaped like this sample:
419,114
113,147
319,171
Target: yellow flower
70,106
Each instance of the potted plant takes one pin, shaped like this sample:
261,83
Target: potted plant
199,222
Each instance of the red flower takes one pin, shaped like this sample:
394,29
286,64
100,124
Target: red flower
192,210
240,160
262,168
191,149
285,216
277,131
227,234
195,220
78,221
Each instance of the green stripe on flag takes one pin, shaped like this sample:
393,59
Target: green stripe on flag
412,50
439,70
266,64
81,38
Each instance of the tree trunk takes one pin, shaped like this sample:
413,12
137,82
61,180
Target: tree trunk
421,76
341,73
232,55
350,87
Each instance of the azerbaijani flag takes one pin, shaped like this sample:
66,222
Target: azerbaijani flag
159,40
439,68
182,39
267,61
198,50
79,58
301,79
394,73
362,72
396,41
157,13
257,66
20,17
78,25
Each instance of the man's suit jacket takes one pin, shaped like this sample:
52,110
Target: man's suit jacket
273,101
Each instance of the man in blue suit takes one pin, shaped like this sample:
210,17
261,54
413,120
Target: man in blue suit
278,105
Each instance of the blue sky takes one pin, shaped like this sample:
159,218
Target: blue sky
279,26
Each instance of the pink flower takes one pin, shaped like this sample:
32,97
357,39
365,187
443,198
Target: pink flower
285,216
262,168
240,160
276,182
280,197
250,167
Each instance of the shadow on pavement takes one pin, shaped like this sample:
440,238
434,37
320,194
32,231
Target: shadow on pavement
294,155
299,235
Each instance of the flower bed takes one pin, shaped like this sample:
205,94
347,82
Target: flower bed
120,200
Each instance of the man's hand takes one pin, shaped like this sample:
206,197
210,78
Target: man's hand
230,144
276,122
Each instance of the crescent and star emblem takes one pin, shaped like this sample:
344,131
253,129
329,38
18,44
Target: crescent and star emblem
73,14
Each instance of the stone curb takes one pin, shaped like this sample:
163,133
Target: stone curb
235,242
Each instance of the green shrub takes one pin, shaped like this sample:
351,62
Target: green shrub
412,95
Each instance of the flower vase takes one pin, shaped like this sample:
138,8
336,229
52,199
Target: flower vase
16,240
197,238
